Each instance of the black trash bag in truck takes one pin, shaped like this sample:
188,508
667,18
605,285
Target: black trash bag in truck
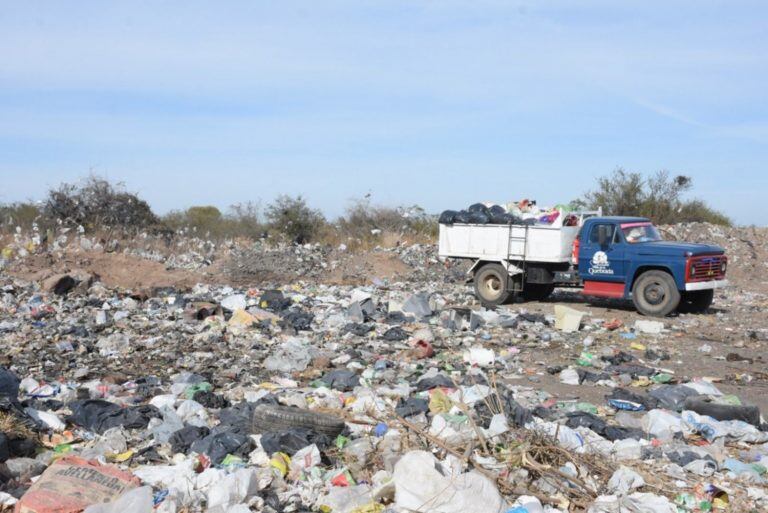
496,210
503,219
461,217
479,208
447,217
477,218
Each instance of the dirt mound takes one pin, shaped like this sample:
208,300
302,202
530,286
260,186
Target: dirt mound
746,247
113,269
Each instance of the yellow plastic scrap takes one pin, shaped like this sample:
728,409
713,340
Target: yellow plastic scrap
642,381
637,346
280,462
439,402
7,253
242,319
122,457
721,501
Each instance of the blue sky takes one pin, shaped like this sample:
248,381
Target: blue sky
440,103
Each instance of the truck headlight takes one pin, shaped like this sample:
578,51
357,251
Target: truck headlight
723,267
693,271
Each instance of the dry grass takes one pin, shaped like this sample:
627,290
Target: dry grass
13,427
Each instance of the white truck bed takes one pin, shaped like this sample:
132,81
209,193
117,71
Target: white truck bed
493,242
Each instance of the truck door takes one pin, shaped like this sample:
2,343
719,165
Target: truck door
602,254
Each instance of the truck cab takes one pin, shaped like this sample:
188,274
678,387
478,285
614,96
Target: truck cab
625,257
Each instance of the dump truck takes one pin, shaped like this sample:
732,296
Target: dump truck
607,257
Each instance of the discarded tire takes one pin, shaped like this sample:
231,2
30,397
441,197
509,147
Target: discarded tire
269,418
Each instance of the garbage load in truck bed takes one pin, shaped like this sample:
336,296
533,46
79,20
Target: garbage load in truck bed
523,241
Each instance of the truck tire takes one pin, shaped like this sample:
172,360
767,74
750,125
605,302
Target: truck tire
491,285
696,301
655,294
537,291
269,417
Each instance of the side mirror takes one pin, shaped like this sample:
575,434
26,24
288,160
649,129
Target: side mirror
602,235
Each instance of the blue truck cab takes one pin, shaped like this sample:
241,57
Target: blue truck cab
625,257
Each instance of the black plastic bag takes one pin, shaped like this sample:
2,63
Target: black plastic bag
274,301
478,218
517,414
5,450
503,219
343,380
9,385
395,334
98,415
447,217
672,397
358,329
748,414
299,320
411,406
461,217
183,439
210,399
292,440
478,208
434,382
496,210
217,445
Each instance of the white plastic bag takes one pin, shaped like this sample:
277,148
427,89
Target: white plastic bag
421,487
138,500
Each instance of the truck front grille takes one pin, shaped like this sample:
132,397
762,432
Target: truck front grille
708,267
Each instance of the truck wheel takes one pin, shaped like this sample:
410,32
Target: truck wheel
537,291
491,284
655,294
696,301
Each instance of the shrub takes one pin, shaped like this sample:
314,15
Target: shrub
361,219
23,214
658,197
291,217
97,204
242,220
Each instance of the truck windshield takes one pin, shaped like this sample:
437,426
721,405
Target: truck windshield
640,232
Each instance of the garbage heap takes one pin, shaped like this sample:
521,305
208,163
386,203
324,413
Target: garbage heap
521,213
350,400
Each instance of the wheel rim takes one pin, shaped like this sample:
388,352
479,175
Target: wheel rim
492,287
655,293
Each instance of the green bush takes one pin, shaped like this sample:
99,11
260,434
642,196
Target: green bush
23,214
361,220
658,197
290,217
242,220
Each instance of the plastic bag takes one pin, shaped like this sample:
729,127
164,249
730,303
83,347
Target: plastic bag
447,217
421,487
138,500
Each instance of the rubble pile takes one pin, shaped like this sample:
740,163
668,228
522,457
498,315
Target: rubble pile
746,247
351,399
401,394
